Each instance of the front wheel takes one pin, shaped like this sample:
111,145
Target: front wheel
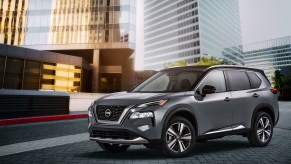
262,130
178,137
114,148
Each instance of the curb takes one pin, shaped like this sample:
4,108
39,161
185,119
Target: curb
41,119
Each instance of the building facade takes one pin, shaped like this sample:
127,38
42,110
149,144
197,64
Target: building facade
270,55
28,69
191,29
102,32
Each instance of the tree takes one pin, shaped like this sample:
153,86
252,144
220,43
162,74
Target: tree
279,81
179,63
204,61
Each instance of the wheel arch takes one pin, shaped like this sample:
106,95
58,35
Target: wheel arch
264,108
185,113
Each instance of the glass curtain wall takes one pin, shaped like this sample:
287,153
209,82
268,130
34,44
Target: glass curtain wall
34,75
32,22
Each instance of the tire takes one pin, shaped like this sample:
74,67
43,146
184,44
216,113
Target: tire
114,148
262,130
176,143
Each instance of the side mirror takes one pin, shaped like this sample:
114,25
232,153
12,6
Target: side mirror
208,89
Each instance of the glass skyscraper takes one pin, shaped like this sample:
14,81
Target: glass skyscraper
269,55
40,22
190,29
100,31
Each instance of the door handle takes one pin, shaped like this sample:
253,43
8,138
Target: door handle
227,99
255,95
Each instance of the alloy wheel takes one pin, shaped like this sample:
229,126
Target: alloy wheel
264,129
178,137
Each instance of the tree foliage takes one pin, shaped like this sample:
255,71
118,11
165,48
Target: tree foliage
209,61
279,81
179,63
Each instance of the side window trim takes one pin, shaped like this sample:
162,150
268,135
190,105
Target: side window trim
226,79
208,73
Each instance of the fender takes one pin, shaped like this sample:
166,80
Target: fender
260,106
181,109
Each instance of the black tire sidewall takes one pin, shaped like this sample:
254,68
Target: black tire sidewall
165,147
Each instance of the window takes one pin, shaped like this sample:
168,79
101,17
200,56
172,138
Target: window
169,81
31,75
238,80
2,63
254,79
14,73
216,79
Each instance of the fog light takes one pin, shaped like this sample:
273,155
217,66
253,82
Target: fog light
136,115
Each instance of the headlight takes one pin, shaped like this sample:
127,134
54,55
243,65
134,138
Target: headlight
160,103
90,114
136,115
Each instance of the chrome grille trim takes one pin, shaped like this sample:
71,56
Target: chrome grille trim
121,118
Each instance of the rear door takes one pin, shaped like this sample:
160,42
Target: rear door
245,95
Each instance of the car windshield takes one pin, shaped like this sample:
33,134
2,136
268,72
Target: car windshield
174,81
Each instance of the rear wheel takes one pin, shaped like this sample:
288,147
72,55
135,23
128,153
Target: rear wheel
115,148
178,137
262,130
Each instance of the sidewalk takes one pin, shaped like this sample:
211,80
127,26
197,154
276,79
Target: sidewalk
71,115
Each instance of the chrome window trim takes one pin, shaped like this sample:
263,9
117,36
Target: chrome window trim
121,118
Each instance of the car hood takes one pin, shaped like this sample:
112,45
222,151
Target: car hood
130,98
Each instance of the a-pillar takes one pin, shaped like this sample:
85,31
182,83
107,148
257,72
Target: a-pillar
95,71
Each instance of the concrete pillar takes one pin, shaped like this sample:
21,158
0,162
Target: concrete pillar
95,71
128,74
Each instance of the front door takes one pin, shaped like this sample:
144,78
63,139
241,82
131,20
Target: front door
215,113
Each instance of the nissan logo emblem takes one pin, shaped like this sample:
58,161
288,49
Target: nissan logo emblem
108,113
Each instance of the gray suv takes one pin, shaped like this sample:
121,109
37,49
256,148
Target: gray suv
177,107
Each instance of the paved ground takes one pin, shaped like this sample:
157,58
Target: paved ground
67,142
285,115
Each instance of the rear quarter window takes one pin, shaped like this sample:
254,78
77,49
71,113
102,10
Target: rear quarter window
254,79
238,80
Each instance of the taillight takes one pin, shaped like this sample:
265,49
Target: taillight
274,90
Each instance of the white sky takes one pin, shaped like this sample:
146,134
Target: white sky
264,19
260,20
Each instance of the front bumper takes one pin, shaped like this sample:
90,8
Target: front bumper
142,130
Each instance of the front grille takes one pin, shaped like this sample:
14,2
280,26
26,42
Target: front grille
115,111
113,134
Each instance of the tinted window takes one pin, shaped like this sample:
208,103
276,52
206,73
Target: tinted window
14,65
238,80
169,81
254,79
216,79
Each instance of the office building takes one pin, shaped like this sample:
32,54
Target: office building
191,29
270,55
101,32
